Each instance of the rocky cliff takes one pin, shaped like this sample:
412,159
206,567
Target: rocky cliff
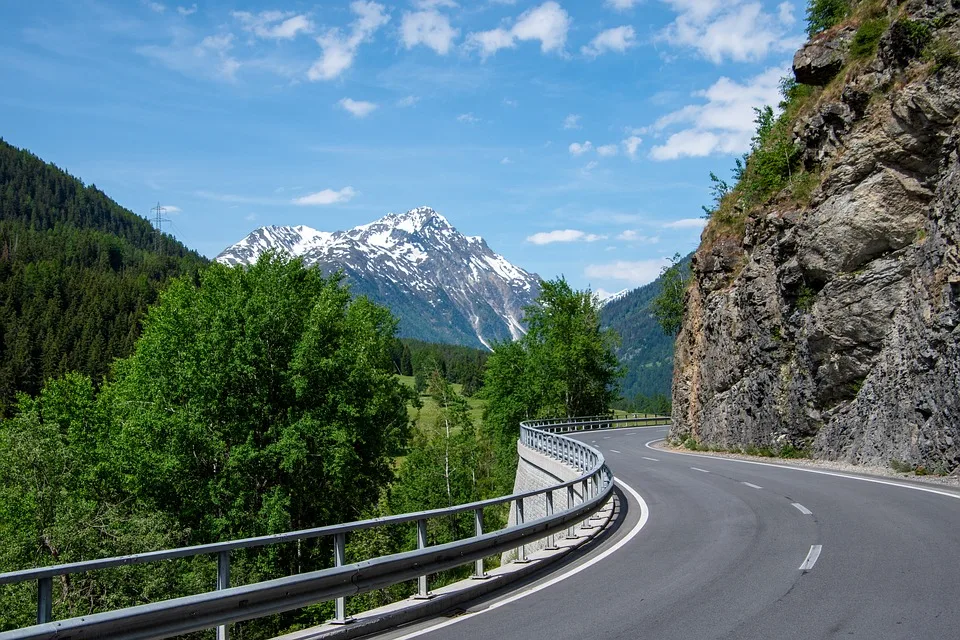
825,316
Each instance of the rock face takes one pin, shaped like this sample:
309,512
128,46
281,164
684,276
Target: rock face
823,57
835,327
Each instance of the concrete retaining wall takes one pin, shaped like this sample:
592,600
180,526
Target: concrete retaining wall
537,471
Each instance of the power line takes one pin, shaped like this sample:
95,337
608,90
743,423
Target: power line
158,221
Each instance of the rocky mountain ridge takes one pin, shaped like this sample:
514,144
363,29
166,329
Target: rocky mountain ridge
442,285
828,321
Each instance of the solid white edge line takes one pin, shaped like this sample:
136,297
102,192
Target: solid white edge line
955,496
644,516
802,509
755,486
811,558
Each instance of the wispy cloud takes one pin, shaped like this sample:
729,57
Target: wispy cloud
211,57
631,145
618,39
326,197
636,273
572,121
563,235
275,25
580,148
687,223
547,23
506,160
357,108
408,101
621,5
468,118
632,235
339,49
187,11
607,150
156,7
429,28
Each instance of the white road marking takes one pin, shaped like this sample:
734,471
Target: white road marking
699,469
644,516
802,509
750,484
614,451
955,496
812,556
650,459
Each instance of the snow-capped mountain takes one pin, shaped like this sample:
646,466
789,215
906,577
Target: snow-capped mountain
442,285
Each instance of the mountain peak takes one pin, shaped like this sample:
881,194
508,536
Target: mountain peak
442,285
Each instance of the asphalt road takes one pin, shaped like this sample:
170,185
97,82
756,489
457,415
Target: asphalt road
729,550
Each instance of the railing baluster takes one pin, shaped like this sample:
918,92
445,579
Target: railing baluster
340,559
551,539
571,499
44,600
223,582
522,550
478,571
585,488
423,593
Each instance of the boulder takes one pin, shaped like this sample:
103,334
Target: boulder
822,58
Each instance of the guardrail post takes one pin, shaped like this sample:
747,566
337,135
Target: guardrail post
44,600
423,593
551,539
340,559
478,572
571,498
223,582
522,550
587,495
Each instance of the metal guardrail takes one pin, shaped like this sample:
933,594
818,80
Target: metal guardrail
228,604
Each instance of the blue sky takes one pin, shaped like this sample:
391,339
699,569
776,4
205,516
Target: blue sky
576,137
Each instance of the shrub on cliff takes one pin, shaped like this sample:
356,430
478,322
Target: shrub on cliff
823,14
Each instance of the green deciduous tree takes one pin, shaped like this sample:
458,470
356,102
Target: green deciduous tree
668,306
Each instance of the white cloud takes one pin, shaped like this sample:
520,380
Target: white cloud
250,217
735,30
618,39
408,101
433,4
631,144
687,223
636,273
578,149
357,108
621,5
632,235
547,23
507,102
339,49
572,121
590,166
563,235
187,11
276,25
169,208
156,7
428,28
724,124
506,160
785,13
607,150
325,197
217,47
468,118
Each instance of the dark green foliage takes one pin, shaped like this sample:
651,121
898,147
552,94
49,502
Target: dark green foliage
823,14
77,272
645,350
773,157
865,40
668,306
908,38
658,404
719,190
458,364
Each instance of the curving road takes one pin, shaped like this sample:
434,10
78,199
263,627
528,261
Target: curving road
741,550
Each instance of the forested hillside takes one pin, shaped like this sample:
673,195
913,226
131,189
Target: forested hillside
77,272
645,350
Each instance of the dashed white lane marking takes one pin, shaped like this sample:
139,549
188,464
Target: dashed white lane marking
802,509
650,459
644,516
614,451
699,469
755,486
812,556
